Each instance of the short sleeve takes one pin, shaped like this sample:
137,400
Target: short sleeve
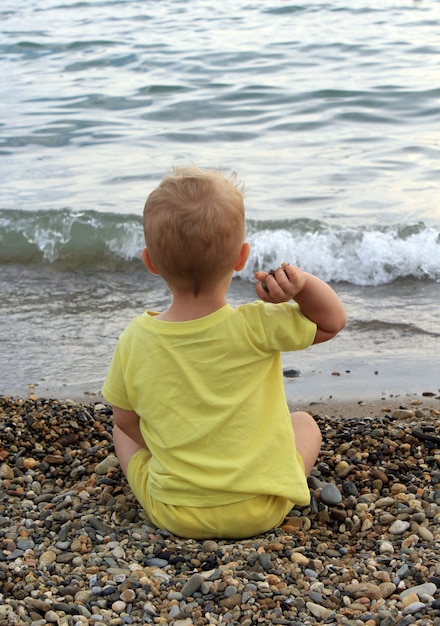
114,389
280,327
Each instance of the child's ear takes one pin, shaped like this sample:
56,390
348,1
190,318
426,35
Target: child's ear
148,262
243,256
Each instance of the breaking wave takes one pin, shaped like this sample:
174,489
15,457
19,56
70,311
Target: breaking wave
372,255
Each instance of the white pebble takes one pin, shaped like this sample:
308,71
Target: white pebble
425,588
386,548
135,567
318,611
118,606
399,527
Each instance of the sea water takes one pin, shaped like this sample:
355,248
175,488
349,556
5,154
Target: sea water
329,112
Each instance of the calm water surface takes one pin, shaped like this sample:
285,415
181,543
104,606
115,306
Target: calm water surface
329,112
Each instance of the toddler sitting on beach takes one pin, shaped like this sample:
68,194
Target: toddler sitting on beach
202,428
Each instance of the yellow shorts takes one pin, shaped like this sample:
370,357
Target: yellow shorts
238,520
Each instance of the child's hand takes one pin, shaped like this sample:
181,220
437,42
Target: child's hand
280,285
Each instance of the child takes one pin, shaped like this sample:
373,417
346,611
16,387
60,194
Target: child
201,425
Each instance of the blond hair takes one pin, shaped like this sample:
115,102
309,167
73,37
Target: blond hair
194,226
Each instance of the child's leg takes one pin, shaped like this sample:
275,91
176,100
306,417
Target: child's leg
308,438
125,447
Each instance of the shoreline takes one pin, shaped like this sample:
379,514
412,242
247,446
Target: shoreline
359,386
332,407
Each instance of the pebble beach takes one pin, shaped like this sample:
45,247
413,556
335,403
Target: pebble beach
76,549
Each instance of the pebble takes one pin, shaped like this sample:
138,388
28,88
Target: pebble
403,414
386,547
415,607
300,559
109,462
331,495
319,611
6,472
77,550
428,589
51,617
410,598
119,606
364,590
47,558
192,585
425,534
403,571
128,595
399,527
387,589
118,552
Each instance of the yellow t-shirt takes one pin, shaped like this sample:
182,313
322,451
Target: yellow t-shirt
211,401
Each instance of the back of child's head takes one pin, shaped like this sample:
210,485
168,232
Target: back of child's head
194,226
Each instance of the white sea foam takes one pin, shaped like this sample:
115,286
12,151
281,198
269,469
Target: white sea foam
360,257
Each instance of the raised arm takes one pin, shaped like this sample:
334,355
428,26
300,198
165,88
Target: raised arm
316,299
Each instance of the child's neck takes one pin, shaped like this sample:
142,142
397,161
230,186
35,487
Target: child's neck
186,307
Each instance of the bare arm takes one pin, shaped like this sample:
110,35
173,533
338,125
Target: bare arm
128,422
316,299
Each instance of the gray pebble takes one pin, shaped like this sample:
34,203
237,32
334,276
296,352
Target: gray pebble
154,562
331,495
415,607
315,483
350,488
107,463
316,597
403,571
79,471
265,561
428,589
230,591
192,585
23,543
175,595
246,596
150,609
174,611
